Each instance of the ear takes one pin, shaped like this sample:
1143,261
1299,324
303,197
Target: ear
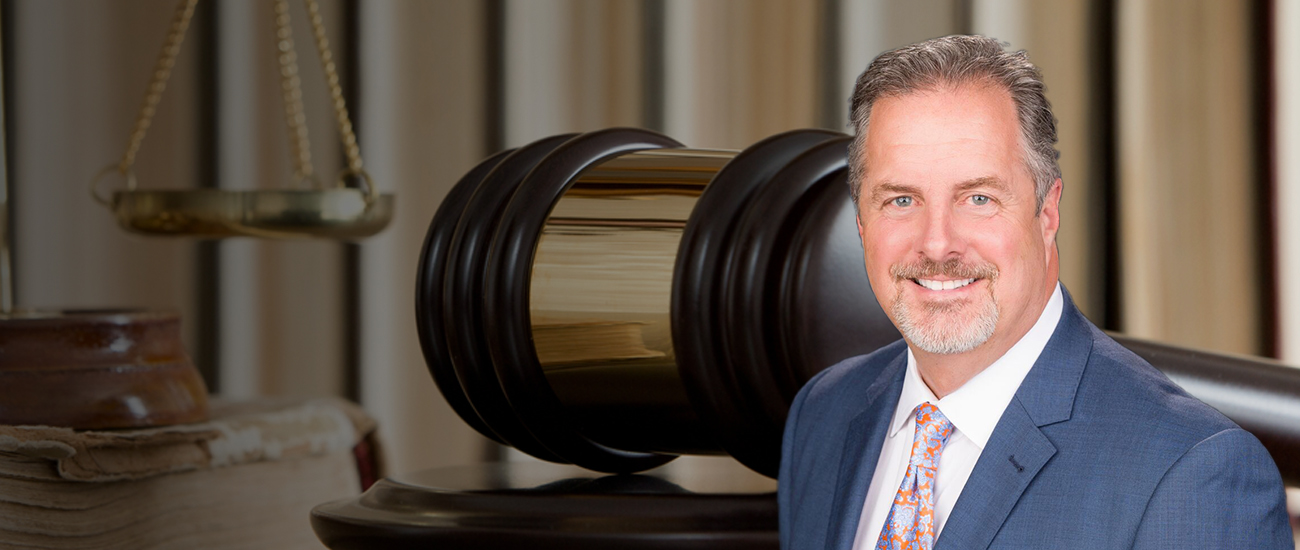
857,216
1050,216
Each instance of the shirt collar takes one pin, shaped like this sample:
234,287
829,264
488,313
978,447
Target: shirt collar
975,408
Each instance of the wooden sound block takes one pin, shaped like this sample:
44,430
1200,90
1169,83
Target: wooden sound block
97,369
716,505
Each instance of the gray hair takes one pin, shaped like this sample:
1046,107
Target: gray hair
955,60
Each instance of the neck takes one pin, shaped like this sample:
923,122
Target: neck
945,373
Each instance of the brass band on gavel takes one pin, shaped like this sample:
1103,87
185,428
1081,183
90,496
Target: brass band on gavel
613,300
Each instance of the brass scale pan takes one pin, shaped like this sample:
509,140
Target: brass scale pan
612,300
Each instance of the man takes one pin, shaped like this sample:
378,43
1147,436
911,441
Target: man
1004,419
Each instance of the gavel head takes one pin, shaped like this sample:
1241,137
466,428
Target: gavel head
613,299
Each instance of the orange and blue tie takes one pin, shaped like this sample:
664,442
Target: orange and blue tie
910,524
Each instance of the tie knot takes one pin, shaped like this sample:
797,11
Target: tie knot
932,432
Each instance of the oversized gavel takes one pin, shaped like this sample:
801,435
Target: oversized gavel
613,300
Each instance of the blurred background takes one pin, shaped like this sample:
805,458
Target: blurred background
1179,137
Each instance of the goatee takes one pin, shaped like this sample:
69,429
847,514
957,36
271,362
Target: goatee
946,326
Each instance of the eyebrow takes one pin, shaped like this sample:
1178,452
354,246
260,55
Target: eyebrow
987,181
888,187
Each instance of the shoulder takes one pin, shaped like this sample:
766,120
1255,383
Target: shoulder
1110,413
1198,447
1221,483
1140,454
816,431
824,408
1120,385
1164,436
832,398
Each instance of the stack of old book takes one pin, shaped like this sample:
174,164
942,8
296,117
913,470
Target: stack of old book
246,478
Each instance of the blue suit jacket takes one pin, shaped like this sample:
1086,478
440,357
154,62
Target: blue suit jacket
1096,450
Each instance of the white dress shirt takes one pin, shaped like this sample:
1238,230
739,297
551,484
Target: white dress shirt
974,410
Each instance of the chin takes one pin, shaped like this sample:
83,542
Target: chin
946,327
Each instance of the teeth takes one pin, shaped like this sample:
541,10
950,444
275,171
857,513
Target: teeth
943,285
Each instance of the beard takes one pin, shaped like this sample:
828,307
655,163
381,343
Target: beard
946,326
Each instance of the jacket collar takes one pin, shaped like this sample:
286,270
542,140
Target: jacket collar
862,444
1017,449
1048,391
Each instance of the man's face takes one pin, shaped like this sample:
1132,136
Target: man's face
956,251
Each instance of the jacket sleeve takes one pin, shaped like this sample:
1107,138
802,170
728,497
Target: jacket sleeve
1224,492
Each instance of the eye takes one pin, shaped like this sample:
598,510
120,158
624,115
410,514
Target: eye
901,201
980,200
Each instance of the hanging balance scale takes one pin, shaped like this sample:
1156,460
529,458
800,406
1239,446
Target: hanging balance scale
350,209
127,368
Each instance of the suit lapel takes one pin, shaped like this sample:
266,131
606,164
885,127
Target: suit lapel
862,444
1017,450
1015,453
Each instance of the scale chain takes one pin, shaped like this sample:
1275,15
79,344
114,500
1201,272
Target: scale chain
162,72
349,137
295,115
291,86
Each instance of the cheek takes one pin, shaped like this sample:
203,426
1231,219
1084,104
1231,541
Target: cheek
878,255
1016,250
1000,251
888,243
891,234
882,246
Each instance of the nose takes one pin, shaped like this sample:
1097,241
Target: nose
940,239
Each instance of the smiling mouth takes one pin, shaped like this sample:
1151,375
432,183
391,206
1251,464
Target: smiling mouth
951,275
932,284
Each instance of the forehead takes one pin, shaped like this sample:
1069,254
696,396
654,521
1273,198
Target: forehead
949,134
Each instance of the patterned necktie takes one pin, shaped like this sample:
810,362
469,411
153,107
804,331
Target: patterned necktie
910,524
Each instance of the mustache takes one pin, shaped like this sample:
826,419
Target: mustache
954,268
